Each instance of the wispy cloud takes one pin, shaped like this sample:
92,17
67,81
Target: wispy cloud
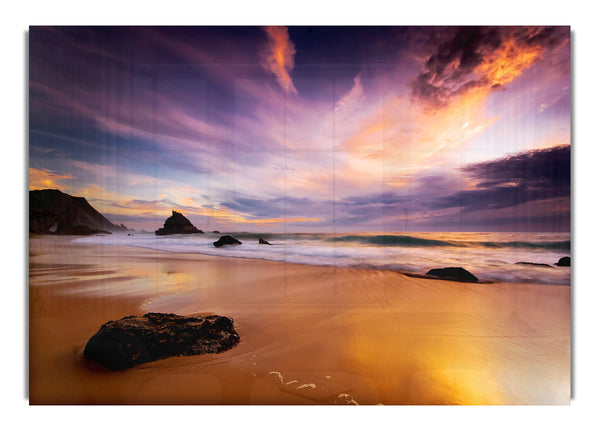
353,98
278,57
46,179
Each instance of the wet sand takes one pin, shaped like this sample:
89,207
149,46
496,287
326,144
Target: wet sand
309,334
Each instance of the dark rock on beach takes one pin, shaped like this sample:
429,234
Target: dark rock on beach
177,224
54,212
135,340
263,241
564,261
226,240
454,273
534,264
215,231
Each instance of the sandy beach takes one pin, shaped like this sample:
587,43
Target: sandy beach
309,334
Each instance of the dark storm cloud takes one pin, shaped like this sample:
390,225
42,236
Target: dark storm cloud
529,176
465,51
457,52
468,47
547,37
549,166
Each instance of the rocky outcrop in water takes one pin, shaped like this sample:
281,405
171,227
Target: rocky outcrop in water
453,273
132,340
263,241
226,240
564,261
177,224
54,212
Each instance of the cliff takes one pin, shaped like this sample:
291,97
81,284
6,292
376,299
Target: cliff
54,212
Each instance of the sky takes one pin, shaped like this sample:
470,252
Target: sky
306,129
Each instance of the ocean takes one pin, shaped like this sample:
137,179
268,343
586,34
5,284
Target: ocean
489,256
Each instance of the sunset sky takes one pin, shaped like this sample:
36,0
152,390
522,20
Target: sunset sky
300,129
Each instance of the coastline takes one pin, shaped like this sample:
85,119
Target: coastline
490,256
309,334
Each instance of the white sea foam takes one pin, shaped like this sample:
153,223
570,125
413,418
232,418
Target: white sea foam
280,378
307,385
489,256
349,399
276,374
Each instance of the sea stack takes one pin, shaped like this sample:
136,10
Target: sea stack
226,240
177,224
263,241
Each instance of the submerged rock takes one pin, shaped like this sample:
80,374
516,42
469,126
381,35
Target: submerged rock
564,261
453,273
263,241
175,224
135,340
226,240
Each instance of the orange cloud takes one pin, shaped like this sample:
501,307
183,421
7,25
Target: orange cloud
46,179
471,60
278,57
508,62
397,142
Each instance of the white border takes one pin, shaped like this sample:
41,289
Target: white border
580,15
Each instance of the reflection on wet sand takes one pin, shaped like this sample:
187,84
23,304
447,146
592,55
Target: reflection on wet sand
309,334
